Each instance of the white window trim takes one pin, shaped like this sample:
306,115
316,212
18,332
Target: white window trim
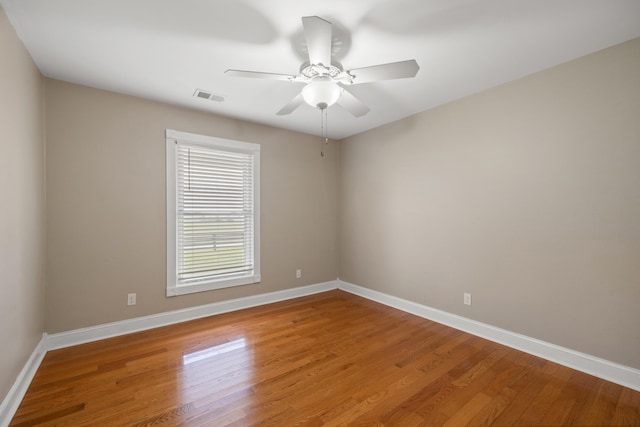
172,137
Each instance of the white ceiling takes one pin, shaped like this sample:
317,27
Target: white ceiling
163,50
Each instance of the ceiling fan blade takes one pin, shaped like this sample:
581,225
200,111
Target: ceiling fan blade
352,104
259,75
292,105
317,33
390,71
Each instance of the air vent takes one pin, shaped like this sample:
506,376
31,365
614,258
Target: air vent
199,93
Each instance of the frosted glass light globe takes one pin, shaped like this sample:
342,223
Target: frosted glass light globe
321,92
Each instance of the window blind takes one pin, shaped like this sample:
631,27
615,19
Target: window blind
214,214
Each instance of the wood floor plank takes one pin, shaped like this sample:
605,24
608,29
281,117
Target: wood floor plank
327,359
547,395
628,408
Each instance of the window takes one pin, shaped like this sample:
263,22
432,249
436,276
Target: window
213,213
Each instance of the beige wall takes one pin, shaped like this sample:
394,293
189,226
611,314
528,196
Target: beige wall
21,205
527,196
106,206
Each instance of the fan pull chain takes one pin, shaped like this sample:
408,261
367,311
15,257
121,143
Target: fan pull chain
322,124
323,130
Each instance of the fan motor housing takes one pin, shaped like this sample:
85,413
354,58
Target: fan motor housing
315,70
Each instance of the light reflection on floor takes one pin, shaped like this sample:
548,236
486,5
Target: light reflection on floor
209,374
214,351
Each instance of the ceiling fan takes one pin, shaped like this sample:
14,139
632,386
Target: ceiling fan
324,80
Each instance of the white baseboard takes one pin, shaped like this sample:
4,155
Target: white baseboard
10,403
109,330
601,368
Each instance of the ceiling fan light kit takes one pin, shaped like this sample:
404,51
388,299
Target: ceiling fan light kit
321,92
323,79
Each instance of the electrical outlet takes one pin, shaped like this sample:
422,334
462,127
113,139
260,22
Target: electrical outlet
298,274
131,299
467,299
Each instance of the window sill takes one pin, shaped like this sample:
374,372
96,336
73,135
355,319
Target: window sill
177,290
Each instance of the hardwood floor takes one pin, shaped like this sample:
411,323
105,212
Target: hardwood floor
330,359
